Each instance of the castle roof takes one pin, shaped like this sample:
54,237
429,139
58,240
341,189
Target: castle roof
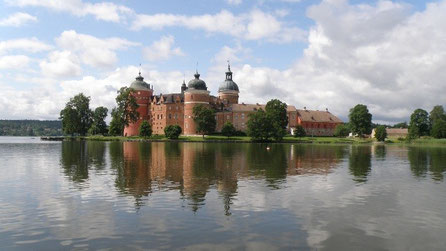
197,83
228,84
254,107
139,84
317,116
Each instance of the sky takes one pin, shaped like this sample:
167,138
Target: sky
388,55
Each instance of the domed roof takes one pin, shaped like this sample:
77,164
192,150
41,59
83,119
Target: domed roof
197,83
228,84
139,84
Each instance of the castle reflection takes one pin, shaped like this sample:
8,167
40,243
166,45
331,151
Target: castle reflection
194,168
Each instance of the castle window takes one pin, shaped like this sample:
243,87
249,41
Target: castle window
170,116
227,116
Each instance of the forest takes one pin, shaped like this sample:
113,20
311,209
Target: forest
30,128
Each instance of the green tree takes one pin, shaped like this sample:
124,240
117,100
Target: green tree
341,130
260,126
380,133
299,131
116,124
125,111
419,124
439,129
401,125
145,130
437,113
228,129
172,131
76,116
360,120
99,126
204,118
276,111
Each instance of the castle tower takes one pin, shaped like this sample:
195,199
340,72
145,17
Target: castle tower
143,93
195,94
228,89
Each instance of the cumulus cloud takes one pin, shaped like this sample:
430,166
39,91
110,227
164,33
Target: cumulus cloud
105,11
61,64
162,49
251,26
378,55
93,51
23,44
18,19
14,61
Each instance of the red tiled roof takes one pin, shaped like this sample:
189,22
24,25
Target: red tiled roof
317,116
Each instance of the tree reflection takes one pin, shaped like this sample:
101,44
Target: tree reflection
314,159
380,152
79,156
360,162
424,159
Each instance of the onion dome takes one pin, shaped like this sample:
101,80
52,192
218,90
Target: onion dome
139,84
197,83
228,84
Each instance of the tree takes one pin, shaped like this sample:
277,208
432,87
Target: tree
228,129
172,131
204,118
276,111
299,131
99,126
125,112
439,129
380,133
436,114
401,125
419,124
116,124
260,126
145,130
76,116
341,130
360,120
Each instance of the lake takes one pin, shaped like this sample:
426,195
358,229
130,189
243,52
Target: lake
201,196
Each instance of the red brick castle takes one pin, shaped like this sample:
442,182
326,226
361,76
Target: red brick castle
176,109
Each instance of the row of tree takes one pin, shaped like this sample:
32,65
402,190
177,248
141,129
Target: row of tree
432,124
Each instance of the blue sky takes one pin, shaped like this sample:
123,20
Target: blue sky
320,54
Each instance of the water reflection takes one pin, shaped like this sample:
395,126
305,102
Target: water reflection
424,160
360,162
78,157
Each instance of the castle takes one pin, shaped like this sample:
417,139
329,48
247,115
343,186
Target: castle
177,109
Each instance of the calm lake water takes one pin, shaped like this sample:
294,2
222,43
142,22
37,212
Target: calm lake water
133,195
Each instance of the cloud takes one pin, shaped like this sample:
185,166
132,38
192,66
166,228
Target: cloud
162,49
234,2
23,44
250,26
61,64
377,55
18,19
91,50
104,11
14,62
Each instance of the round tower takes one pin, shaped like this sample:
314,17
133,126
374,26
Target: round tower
195,94
143,93
228,89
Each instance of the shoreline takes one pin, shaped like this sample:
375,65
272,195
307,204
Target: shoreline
244,140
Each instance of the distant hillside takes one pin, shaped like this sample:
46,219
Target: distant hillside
30,128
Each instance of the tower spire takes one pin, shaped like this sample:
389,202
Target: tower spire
229,72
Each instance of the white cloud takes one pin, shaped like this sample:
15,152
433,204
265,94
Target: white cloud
251,26
162,49
234,2
18,19
14,62
105,11
378,55
93,51
61,64
23,44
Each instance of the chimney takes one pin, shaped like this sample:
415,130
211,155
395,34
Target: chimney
326,109
305,108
